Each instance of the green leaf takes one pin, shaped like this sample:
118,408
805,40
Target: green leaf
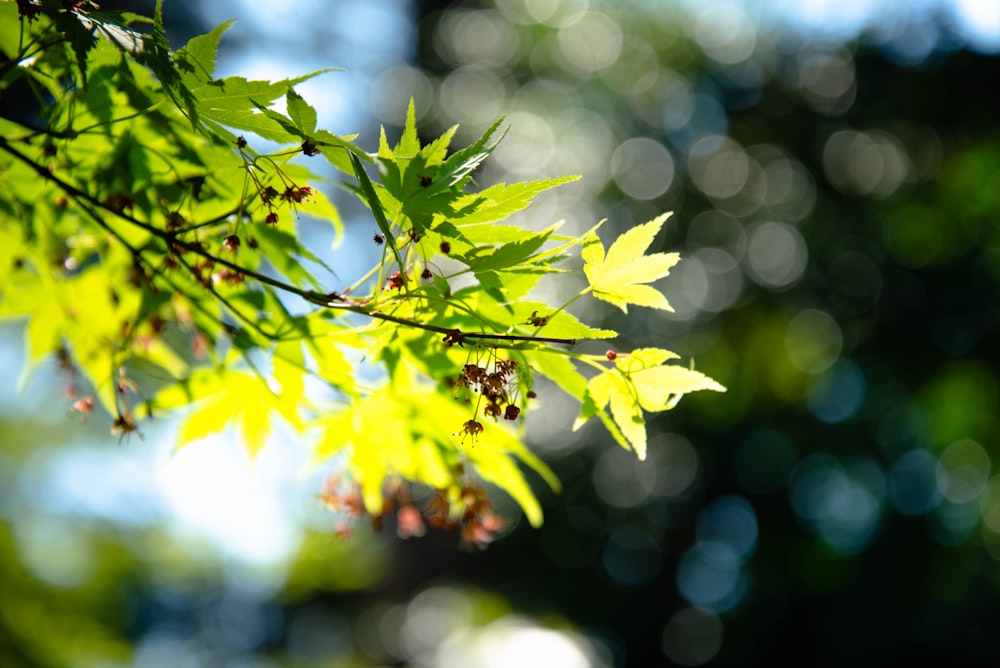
644,358
337,150
408,145
482,258
289,365
79,37
300,112
159,35
196,59
435,153
458,168
10,28
502,200
284,251
209,417
618,278
236,102
368,193
627,414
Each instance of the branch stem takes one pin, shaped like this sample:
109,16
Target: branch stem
330,300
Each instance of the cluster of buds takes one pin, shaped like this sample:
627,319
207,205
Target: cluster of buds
478,521
497,387
124,423
471,513
309,147
344,499
292,194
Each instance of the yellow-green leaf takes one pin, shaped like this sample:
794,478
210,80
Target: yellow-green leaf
209,417
660,388
628,415
228,398
639,381
644,358
619,277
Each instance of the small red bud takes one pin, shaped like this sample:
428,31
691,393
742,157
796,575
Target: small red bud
445,247
611,355
426,274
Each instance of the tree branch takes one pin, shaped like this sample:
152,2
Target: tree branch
330,300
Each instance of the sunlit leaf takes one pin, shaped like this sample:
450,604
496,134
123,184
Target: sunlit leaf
639,381
300,112
618,277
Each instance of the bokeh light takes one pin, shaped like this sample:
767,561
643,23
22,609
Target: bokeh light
692,636
839,393
776,255
913,483
842,502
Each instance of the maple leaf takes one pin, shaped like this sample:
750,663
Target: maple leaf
619,277
639,381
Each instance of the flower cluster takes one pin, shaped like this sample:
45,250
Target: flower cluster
344,499
469,511
497,387
270,196
292,195
124,423
477,520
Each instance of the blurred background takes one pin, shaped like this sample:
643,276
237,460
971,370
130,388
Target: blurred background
834,169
